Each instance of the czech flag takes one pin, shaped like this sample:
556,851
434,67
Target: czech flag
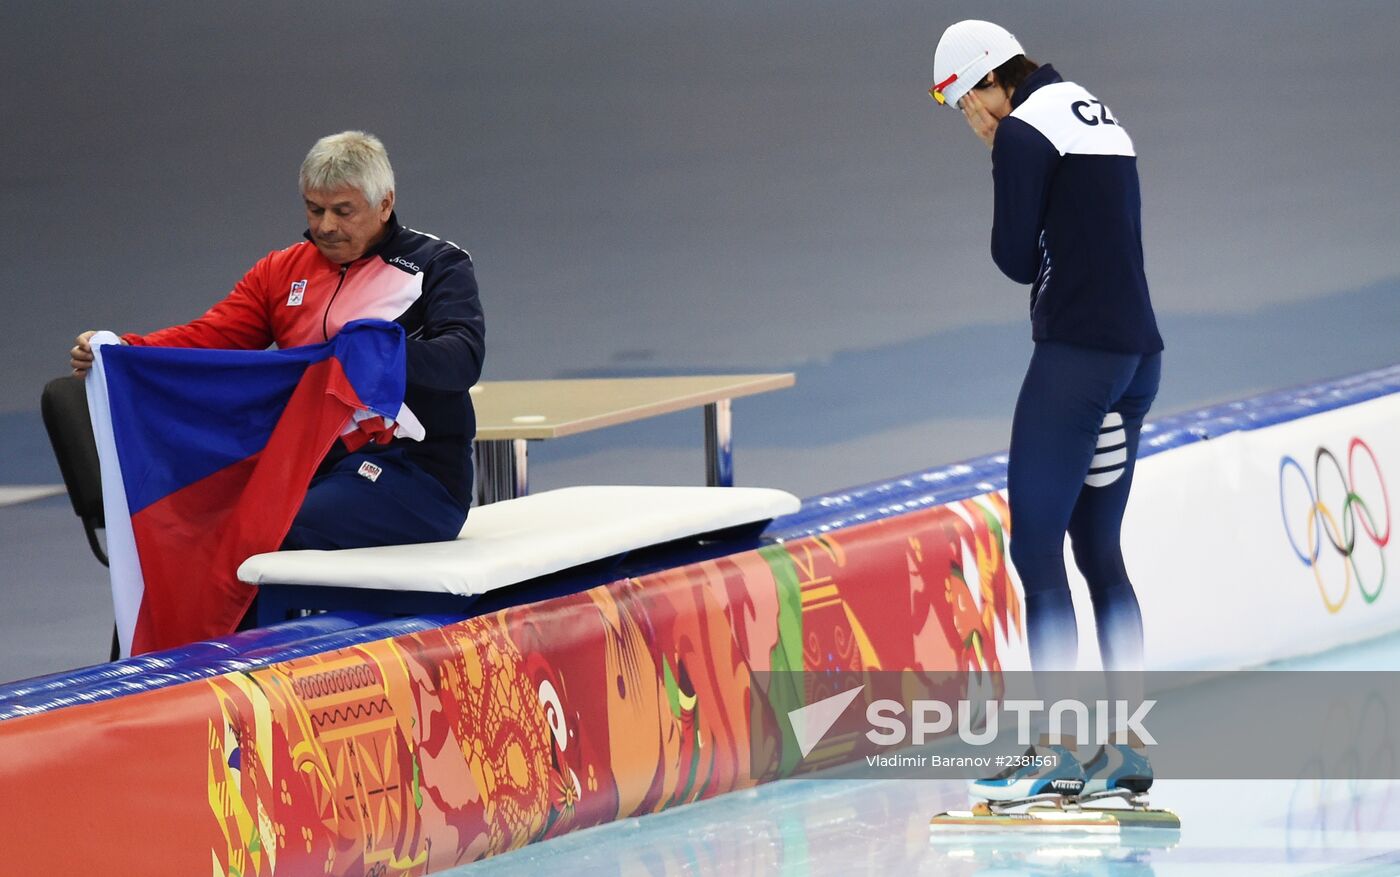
206,456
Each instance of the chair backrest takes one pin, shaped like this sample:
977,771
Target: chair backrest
65,412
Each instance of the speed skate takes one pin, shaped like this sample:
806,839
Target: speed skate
1107,812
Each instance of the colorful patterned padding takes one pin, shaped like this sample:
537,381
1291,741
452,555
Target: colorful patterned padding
411,754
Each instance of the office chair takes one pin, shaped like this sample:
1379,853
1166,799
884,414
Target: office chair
63,406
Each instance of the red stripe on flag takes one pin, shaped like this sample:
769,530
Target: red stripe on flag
192,542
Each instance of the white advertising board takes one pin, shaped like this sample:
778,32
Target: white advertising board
1263,544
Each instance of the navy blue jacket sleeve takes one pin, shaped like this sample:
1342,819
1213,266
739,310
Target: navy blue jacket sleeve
448,353
1023,164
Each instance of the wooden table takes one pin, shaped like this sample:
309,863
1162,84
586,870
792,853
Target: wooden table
510,414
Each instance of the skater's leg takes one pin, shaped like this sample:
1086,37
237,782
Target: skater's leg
1095,534
1065,395
1096,525
1054,435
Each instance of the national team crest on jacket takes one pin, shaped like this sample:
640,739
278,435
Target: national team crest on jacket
297,294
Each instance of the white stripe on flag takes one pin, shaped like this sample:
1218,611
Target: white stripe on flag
128,585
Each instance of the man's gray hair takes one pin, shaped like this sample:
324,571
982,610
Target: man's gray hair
351,159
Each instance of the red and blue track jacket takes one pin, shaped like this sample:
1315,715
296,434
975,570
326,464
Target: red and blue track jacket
297,296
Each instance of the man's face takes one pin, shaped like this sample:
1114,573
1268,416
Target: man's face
343,224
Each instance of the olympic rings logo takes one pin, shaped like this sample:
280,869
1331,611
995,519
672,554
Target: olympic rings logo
1345,773
1356,513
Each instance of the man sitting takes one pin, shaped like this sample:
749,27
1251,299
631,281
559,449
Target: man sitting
358,262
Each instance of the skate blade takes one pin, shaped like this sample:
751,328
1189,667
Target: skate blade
1041,818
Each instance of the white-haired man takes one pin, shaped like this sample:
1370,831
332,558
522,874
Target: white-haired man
358,262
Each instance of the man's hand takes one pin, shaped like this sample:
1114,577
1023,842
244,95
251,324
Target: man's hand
81,354
982,123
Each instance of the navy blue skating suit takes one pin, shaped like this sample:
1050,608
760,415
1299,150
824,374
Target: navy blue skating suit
1068,221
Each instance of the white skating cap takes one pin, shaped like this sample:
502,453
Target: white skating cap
968,51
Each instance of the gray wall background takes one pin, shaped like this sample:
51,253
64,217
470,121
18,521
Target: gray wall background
662,187
657,187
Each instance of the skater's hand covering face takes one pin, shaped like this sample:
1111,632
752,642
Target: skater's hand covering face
984,107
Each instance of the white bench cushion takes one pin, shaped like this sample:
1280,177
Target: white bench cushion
520,539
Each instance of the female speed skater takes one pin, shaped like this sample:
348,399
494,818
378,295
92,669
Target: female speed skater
1067,221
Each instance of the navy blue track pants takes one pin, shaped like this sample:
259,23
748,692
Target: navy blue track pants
1074,444
370,499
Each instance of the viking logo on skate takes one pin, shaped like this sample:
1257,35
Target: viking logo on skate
1340,504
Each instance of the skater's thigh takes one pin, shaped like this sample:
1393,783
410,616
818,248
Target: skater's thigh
1064,401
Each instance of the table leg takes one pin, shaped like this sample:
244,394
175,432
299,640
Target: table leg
520,475
501,470
719,457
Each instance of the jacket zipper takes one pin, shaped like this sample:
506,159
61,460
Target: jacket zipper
325,315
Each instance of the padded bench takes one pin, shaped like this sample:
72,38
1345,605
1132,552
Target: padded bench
506,543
